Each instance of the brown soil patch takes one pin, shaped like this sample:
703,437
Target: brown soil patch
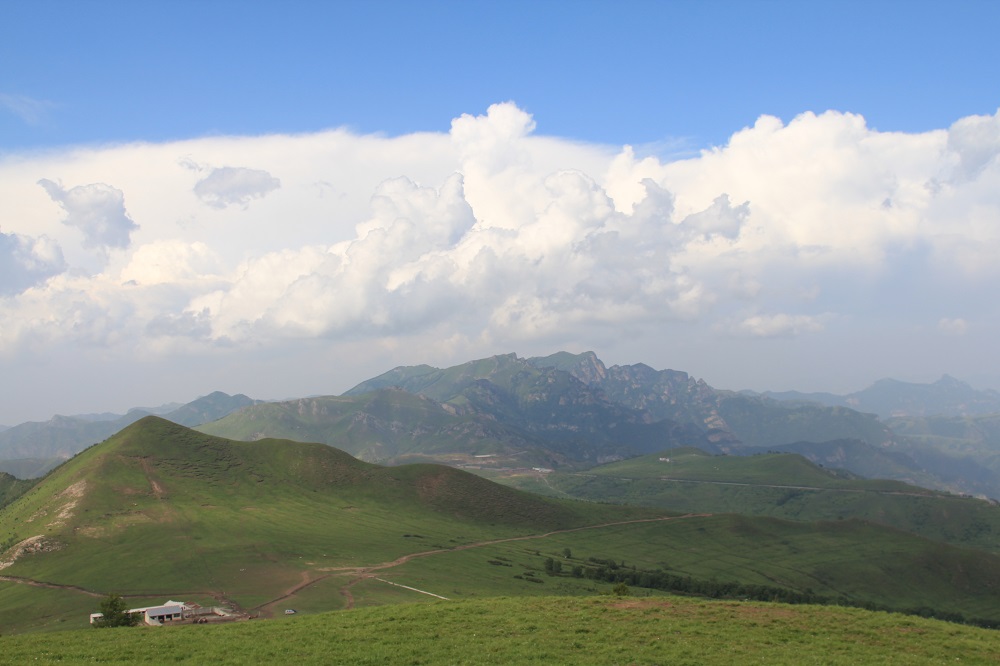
31,545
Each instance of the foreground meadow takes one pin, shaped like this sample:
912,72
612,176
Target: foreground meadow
539,630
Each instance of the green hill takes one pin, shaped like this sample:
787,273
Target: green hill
31,449
781,485
159,507
545,630
160,511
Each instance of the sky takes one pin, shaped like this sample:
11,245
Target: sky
285,199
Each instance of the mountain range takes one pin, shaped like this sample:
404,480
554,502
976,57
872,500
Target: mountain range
571,411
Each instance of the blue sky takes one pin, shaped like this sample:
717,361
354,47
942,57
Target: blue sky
286,199
638,73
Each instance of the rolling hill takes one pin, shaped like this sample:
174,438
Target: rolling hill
781,485
161,510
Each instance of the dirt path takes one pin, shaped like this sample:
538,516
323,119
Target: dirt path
267,608
357,574
50,586
368,572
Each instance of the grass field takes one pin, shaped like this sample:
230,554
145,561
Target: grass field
775,485
543,630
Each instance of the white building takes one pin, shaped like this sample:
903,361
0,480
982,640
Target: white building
154,615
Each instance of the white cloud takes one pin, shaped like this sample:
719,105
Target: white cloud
227,186
26,262
779,325
97,210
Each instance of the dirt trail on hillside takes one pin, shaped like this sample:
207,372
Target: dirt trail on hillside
363,573
50,586
357,574
267,608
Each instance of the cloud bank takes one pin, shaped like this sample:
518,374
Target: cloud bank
489,238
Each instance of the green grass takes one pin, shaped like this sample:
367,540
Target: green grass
849,560
162,510
544,630
775,485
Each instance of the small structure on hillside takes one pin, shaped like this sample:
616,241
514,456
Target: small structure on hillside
171,611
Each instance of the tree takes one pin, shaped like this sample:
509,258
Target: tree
115,612
567,553
620,590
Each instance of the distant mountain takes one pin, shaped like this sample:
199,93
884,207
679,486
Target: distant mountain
36,447
890,398
497,410
732,420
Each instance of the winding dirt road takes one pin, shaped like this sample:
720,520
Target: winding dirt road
357,574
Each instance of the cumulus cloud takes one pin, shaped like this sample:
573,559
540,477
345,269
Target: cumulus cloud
226,186
97,210
26,262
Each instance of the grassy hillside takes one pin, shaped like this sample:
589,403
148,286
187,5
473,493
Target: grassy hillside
546,630
160,508
779,485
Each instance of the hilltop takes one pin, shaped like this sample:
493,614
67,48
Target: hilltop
30,449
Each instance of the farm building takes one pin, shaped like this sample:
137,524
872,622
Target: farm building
154,615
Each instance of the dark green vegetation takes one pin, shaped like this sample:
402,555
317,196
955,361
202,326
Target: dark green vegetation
779,485
547,630
114,611
31,449
11,488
